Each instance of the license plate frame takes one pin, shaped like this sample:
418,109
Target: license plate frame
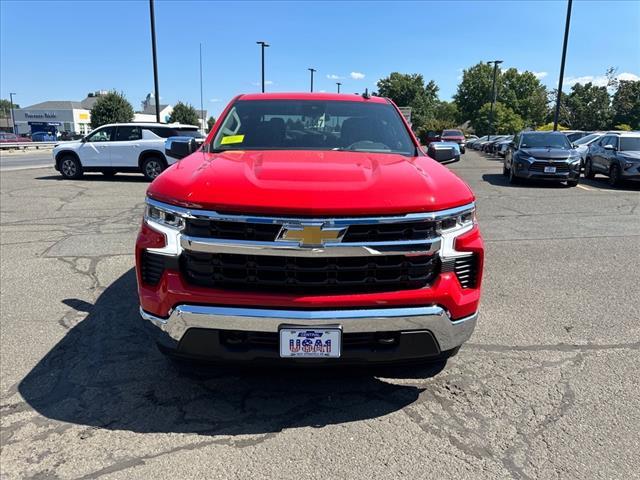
549,169
292,341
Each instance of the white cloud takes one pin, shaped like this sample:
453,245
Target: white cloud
266,82
333,76
628,76
215,100
540,75
356,75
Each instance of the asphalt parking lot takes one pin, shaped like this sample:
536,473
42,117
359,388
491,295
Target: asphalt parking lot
546,388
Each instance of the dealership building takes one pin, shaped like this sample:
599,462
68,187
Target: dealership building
56,116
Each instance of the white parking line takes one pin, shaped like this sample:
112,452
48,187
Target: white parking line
586,188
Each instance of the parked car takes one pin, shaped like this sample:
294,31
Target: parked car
501,146
43,137
455,136
431,137
574,135
478,142
286,241
123,147
542,156
488,145
6,137
484,143
582,145
616,155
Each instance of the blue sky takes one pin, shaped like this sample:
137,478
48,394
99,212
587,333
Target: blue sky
62,50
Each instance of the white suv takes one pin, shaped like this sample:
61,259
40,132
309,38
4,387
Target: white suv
122,147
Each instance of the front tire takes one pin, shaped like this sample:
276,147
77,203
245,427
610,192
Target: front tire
588,170
70,167
572,183
152,167
615,175
513,180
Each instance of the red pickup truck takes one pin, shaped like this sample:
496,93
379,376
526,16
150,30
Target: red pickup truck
310,228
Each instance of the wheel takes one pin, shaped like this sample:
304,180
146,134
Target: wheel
513,180
505,170
588,169
108,173
152,167
614,175
572,183
70,167
462,150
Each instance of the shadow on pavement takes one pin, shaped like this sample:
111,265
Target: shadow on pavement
602,183
107,373
98,177
500,180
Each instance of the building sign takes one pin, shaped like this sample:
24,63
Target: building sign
406,113
40,115
83,116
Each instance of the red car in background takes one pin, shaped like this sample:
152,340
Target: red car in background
6,137
454,136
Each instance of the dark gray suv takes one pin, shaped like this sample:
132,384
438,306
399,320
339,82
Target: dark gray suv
616,155
542,156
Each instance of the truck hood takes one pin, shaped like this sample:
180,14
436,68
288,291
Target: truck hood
310,183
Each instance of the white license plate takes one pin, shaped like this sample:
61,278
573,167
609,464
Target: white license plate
300,342
549,169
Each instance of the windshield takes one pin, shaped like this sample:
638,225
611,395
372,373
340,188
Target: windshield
630,144
452,133
545,140
313,125
588,139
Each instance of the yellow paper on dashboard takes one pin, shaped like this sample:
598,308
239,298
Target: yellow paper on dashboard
232,139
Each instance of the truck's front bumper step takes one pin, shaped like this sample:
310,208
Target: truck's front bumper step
369,335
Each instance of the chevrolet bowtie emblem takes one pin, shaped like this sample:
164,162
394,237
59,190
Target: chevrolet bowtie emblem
312,235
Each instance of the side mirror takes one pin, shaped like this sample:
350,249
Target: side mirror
443,152
609,147
180,147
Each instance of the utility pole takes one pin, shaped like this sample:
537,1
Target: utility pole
338,83
201,101
312,70
13,117
494,94
263,45
155,59
564,56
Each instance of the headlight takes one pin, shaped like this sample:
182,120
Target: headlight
453,226
167,222
154,214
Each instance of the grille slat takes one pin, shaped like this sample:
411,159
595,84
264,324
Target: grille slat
466,269
309,274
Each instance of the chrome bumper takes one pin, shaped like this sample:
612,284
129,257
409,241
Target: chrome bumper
449,334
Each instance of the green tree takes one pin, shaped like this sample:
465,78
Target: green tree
409,90
111,108
505,120
5,108
547,127
589,107
522,92
626,103
474,91
210,123
184,113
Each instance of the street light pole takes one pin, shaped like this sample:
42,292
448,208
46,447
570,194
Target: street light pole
13,117
311,70
201,102
494,94
263,45
338,83
155,59
564,56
